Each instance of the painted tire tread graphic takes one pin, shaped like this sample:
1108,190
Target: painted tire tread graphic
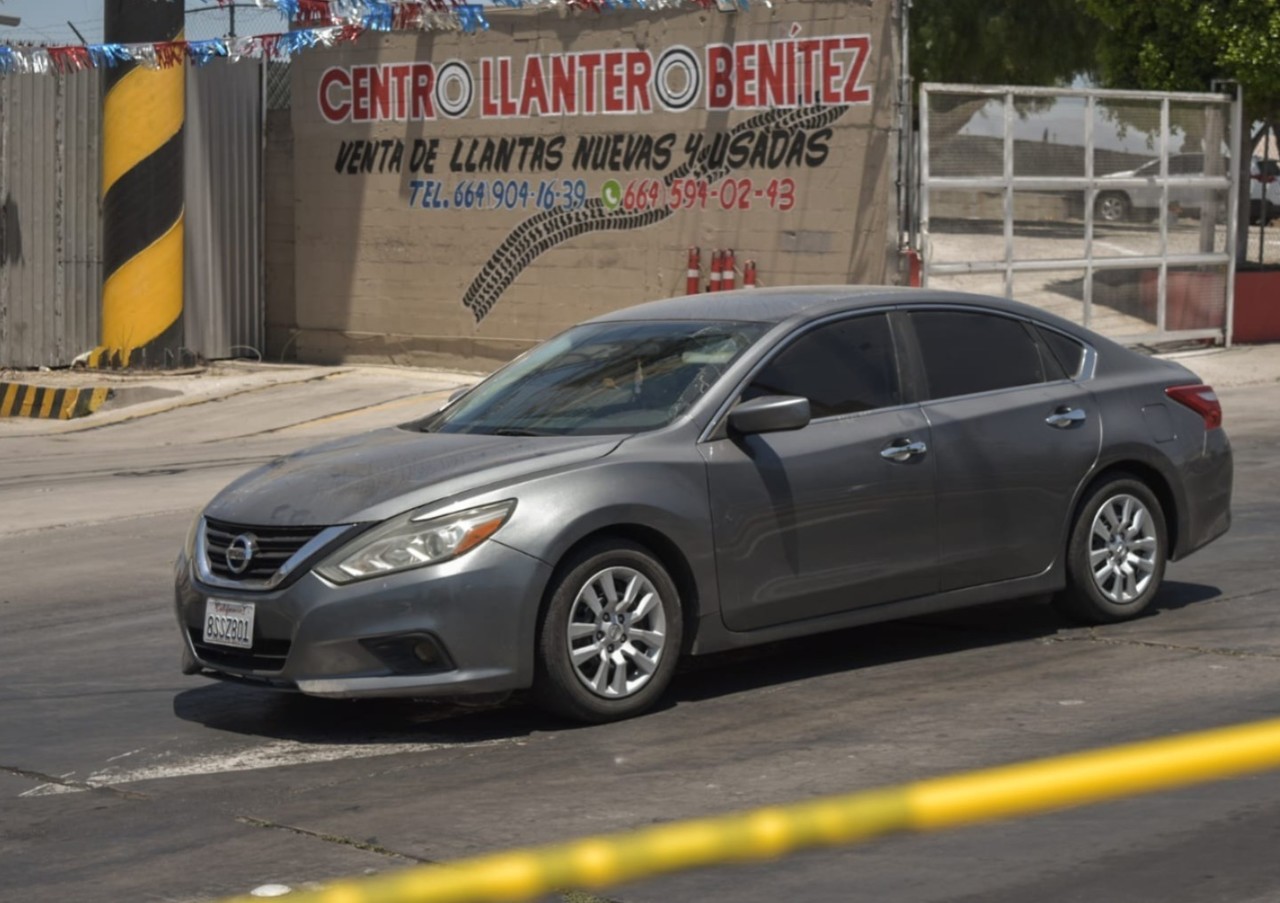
550,228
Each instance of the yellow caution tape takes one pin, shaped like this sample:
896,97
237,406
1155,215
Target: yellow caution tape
1006,792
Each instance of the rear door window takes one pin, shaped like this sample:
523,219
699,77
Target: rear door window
842,368
965,352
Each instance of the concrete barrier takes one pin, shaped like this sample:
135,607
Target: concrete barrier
49,402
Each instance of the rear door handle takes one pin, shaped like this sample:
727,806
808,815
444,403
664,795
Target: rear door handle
901,450
1065,417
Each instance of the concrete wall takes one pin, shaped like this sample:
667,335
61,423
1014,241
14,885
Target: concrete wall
396,259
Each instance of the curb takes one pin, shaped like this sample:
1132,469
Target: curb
49,402
128,404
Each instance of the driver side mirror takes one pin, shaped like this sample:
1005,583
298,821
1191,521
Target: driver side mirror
770,414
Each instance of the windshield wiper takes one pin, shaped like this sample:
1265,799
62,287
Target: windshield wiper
512,431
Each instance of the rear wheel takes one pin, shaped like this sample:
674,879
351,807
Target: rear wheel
611,635
1116,555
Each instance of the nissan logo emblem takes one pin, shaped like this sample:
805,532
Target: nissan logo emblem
241,551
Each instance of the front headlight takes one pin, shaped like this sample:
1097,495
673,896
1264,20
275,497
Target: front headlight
188,556
193,536
409,541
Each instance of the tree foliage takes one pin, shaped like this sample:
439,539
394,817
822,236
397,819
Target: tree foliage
1164,45
1182,45
1001,42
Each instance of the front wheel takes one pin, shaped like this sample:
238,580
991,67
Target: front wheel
1116,555
611,634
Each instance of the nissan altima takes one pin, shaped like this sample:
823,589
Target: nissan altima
703,473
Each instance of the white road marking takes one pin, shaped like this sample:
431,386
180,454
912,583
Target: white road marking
271,890
277,754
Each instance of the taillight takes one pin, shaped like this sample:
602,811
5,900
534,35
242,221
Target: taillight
1201,399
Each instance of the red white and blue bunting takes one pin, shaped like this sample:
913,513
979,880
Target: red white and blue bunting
327,23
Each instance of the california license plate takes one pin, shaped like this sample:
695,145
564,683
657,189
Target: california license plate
228,623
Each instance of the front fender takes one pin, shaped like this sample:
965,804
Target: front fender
664,496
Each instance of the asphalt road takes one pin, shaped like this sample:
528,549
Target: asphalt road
122,780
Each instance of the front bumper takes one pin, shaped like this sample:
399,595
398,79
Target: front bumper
478,614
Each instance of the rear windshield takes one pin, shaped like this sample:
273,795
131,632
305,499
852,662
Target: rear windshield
600,378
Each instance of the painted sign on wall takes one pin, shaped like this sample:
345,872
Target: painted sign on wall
507,170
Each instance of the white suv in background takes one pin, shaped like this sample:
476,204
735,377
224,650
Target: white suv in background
1115,205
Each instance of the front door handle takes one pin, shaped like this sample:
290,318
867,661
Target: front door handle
902,450
1065,417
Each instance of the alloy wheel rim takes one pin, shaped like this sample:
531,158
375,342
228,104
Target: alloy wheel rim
617,632
1123,549
1110,208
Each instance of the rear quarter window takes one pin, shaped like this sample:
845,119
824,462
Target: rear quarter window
1068,352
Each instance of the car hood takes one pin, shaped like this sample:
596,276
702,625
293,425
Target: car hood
377,475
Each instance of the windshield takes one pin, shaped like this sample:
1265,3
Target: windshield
598,378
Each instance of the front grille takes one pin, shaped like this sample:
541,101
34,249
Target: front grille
275,546
266,655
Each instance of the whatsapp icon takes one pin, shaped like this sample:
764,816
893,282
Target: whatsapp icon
611,194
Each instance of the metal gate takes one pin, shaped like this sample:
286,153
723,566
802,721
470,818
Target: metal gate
1114,209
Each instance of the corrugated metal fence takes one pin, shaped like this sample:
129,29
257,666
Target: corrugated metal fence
50,226
224,306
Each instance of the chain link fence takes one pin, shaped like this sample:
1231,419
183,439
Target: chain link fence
278,90
241,20
233,20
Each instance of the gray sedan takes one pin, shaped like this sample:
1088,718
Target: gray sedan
704,473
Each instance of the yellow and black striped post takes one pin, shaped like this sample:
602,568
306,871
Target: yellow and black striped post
142,193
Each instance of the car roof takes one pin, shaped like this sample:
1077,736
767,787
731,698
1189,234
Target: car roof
776,305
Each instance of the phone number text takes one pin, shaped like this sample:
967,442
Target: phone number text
700,194
498,194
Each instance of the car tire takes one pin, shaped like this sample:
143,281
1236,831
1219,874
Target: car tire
1116,554
1113,207
610,636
